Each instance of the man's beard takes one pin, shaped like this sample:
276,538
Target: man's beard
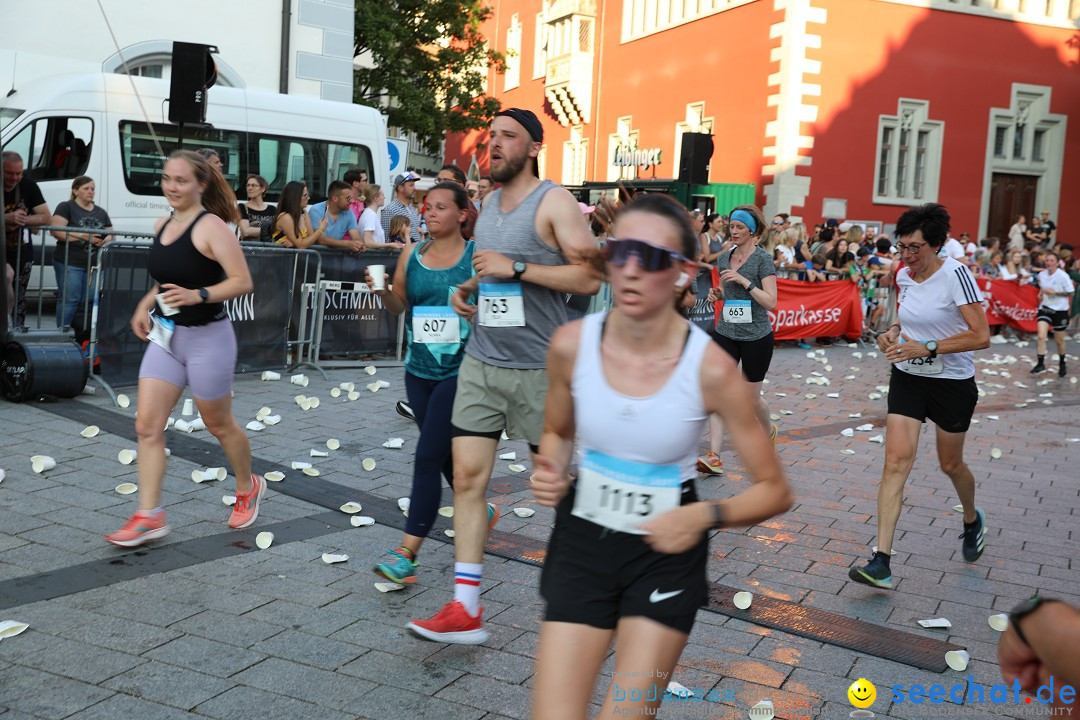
511,168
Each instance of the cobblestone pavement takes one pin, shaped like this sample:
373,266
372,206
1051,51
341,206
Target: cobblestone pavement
220,629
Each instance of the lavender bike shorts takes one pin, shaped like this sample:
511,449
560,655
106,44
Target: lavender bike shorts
203,357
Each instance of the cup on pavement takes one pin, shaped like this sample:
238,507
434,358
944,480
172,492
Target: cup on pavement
378,276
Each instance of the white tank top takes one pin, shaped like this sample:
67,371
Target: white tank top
662,429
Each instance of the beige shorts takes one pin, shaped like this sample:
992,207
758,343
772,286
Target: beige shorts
491,399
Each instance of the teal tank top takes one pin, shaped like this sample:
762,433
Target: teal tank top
436,334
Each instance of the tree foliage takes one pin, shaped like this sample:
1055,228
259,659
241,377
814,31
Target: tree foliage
430,65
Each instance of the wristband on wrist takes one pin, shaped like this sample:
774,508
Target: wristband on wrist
717,511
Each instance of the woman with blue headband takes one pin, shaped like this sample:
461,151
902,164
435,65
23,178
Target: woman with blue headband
748,290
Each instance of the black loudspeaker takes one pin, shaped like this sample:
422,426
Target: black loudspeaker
193,72
32,369
697,150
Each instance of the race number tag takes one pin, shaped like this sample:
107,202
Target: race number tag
737,311
161,332
501,305
923,365
623,494
435,325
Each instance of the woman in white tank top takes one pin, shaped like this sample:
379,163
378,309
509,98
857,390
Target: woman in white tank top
629,550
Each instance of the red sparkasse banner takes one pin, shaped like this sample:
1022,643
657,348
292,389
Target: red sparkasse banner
1010,303
820,309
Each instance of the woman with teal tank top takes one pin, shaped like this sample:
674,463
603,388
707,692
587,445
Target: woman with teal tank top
423,282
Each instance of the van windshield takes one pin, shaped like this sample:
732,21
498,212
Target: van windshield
7,115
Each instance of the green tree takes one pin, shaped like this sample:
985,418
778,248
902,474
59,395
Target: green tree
429,65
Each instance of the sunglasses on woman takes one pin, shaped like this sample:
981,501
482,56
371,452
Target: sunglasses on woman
650,257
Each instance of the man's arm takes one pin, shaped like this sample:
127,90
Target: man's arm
561,224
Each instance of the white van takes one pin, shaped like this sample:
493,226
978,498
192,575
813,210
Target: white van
67,126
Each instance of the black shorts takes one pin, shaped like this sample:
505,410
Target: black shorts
755,355
947,403
594,576
1056,319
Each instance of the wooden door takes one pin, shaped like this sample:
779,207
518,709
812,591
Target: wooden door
1010,195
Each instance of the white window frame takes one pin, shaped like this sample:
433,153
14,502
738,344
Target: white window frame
901,162
641,18
512,76
540,49
695,122
575,156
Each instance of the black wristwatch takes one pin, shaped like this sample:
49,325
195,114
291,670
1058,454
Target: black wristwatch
717,511
519,269
1024,609
931,347
204,294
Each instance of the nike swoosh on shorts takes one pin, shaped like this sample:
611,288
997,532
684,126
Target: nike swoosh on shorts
658,596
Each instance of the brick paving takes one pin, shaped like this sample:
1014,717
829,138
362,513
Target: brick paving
279,634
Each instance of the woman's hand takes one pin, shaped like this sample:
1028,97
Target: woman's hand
716,294
550,483
176,296
678,530
887,340
141,323
909,350
459,302
371,284
732,276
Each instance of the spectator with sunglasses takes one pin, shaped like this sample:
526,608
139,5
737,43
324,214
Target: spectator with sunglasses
748,290
629,550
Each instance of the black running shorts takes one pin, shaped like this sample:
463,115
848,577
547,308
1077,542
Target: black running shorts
594,576
1056,319
947,403
755,355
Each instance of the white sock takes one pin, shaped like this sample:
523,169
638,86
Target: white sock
467,577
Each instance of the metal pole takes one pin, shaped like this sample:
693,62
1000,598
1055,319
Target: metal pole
4,309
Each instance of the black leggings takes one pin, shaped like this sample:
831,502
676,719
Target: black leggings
432,402
756,355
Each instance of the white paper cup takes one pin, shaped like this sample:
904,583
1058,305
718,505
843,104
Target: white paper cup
370,370
333,444
742,600
999,622
127,488
300,399
298,465
351,507
255,426
126,457
957,659
183,426
313,402
90,431
274,476
354,395
198,424
271,419
271,375
263,412
319,453
347,386
123,400
335,392
41,463
299,379
368,464
264,540
378,276
189,407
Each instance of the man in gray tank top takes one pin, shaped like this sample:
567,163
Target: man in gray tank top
532,249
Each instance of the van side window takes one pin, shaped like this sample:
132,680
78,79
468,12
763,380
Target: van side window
143,163
277,158
55,148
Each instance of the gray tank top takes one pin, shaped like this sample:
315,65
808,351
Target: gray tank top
515,320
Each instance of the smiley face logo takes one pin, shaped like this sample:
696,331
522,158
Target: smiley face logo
862,693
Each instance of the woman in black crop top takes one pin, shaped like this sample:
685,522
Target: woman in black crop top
197,263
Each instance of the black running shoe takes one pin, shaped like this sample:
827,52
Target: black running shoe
1039,367
1061,370
404,410
974,537
875,573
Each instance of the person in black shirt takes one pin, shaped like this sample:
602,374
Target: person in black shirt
75,251
24,206
197,264
257,215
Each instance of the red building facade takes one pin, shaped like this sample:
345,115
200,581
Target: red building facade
834,108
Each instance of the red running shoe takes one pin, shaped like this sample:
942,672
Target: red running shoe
452,624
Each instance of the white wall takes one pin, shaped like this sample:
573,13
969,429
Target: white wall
61,36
